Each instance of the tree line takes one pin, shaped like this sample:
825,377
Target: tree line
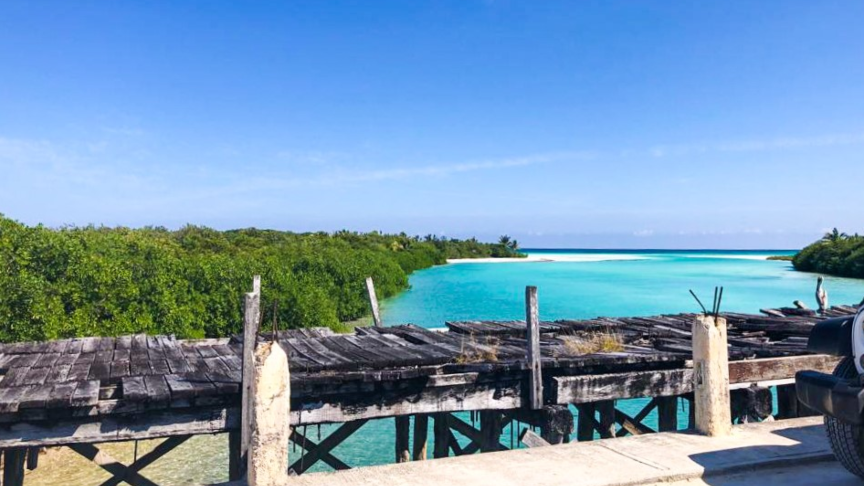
837,253
100,281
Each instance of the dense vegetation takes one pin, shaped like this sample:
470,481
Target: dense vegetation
93,281
835,254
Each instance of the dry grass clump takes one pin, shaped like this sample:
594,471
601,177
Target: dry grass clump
595,342
473,352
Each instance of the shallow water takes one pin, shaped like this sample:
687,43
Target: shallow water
584,284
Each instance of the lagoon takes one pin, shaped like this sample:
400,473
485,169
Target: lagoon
571,284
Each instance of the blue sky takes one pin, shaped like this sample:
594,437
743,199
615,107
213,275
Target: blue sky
728,124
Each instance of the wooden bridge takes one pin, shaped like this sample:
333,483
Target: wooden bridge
82,392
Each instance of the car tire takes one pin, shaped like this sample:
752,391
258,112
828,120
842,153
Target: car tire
847,440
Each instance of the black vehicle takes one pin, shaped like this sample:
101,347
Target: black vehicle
839,396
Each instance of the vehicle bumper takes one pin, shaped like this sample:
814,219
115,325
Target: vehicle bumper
829,395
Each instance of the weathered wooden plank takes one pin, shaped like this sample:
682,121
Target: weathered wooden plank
157,388
61,395
86,394
10,397
335,438
373,301
421,437
148,425
99,371
58,373
134,388
180,387
531,440
326,458
661,383
441,431
119,370
535,381
131,475
630,425
13,466
501,395
35,376
403,431
595,388
770,369
89,345
251,322
78,372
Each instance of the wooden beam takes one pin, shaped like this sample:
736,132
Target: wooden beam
326,446
475,436
532,318
635,425
113,466
531,440
421,437
441,431
234,467
13,466
326,458
373,301
503,395
33,458
585,425
679,381
667,414
771,369
490,431
160,450
151,425
607,418
403,430
630,425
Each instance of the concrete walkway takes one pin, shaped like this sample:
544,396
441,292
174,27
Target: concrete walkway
646,459
822,473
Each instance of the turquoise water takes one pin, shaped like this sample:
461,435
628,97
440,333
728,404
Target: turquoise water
583,284
609,283
646,283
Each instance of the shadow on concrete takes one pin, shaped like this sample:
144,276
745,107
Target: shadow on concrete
806,462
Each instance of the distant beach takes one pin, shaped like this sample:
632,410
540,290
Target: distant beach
551,257
594,256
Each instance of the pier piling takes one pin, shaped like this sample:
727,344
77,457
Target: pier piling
421,436
373,301
711,376
251,322
532,318
271,423
403,427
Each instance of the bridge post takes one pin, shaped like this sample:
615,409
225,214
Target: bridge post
711,376
238,449
532,325
373,301
271,429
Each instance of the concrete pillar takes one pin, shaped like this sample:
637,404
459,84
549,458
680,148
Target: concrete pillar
711,375
271,430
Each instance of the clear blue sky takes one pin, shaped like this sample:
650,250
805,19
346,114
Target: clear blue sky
591,123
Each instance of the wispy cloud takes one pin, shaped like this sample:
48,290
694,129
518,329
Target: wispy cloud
452,169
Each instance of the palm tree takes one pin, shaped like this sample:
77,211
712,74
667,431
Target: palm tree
504,240
834,236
